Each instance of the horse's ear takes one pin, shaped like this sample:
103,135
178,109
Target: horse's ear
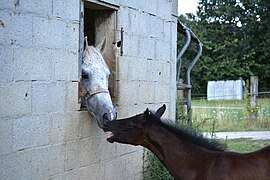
147,112
160,111
102,46
86,42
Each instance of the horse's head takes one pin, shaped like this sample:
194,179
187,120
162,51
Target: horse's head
133,130
95,73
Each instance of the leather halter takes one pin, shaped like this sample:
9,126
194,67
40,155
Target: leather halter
85,92
93,92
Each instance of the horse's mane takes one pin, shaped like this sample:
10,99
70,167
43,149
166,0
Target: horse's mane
188,134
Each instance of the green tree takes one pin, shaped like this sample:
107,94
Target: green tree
236,38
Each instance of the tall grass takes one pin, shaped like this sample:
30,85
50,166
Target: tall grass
230,115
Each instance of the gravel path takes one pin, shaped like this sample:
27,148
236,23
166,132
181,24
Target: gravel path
256,135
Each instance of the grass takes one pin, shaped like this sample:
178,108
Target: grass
230,115
245,145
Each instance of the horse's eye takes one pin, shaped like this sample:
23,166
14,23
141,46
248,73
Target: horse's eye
85,76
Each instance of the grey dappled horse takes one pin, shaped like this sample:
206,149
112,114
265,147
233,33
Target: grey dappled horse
95,84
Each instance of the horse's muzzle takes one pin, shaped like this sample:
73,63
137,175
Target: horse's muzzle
110,116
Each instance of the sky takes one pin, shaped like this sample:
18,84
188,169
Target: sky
187,6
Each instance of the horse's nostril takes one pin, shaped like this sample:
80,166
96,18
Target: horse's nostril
105,117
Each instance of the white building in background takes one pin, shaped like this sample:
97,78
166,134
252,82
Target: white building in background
225,90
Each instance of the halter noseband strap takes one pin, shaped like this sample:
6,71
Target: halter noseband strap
97,91
93,92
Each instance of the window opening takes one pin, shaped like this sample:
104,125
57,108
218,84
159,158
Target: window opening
99,21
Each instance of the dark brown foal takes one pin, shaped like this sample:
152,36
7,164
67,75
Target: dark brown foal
186,154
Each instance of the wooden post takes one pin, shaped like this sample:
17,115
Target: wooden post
253,96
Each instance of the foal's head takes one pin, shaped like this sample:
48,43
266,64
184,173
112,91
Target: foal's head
95,73
133,130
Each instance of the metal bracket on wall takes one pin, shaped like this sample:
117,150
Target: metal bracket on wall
122,41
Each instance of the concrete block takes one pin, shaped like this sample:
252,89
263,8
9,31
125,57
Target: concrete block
43,8
92,171
175,8
158,29
166,72
154,70
88,126
64,65
142,71
133,21
133,162
15,99
31,131
72,104
71,61
114,2
130,47
131,165
144,27
173,41
128,92
164,9
109,170
72,36
48,97
78,154
135,4
146,92
126,110
132,73
23,33
12,166
168,33
149,7
6,27
32,64
58,128
46,161
50,33
68,11
163,50
6,64
162,93
73,126
6,136
124,21
86,151
123,68
72,10
7,4
146,48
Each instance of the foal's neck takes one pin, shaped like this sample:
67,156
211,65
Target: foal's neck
176,154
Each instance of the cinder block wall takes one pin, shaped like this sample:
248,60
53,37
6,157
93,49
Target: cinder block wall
43,133
146,71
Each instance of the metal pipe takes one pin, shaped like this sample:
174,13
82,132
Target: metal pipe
194,62
179,57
